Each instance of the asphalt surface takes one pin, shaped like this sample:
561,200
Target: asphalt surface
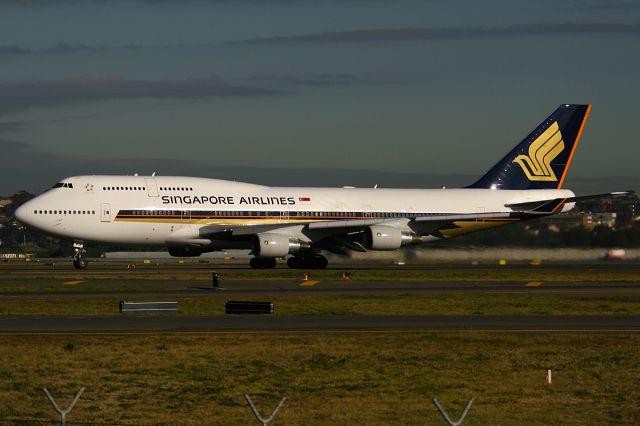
99,288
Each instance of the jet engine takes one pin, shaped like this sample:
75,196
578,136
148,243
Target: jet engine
380,237
276,245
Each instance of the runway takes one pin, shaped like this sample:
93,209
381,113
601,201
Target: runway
100,288
310,323
26,283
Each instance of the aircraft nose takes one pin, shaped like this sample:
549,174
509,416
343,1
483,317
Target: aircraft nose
22,213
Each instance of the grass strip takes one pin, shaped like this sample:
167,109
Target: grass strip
328,378
352,304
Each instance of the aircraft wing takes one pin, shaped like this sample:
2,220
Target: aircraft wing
550,206
339,236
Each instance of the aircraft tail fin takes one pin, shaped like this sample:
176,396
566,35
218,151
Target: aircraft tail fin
542,159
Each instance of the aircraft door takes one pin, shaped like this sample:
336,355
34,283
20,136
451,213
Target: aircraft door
152,188
185,215
284,216
105,212
367,211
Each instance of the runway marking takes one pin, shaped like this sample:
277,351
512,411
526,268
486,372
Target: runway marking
534,284
309,283
73,282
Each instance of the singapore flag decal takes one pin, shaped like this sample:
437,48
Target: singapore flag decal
304,199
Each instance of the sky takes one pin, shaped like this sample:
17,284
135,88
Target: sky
398,93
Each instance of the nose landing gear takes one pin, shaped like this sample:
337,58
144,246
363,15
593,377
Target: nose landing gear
79,261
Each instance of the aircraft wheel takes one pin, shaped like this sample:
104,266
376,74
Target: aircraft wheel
80,263
320,262
294,262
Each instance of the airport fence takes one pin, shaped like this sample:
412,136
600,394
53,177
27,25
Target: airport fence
264,420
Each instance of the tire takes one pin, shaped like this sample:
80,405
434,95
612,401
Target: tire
320,262
294,263
80,263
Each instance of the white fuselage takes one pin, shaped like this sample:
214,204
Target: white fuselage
152,210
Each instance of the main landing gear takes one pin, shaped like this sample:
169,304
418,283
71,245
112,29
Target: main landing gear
308,262
262,263
79,261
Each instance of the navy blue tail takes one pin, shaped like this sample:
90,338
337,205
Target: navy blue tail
541,160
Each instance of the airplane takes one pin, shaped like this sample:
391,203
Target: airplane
190,216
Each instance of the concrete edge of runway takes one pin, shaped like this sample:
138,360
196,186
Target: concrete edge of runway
125,324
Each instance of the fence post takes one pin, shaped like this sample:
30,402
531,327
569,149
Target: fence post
446,417
63,413
257,414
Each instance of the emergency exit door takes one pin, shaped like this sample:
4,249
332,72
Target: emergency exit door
105,212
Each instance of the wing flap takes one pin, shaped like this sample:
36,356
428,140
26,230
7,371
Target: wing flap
463,216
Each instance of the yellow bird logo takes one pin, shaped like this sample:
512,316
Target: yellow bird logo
537,165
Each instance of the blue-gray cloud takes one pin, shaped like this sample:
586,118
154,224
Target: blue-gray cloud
59,48
321,79
31,3
437,34
16,96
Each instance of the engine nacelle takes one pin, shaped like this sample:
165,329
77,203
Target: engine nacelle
185,251
276,245
380,237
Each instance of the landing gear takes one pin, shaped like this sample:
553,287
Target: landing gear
308,262
79,261
262,263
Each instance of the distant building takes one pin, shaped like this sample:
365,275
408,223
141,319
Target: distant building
566,221
604,219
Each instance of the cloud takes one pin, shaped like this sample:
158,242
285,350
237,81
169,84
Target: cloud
438,34
33,3
69,48
321,79
12,126
16,96
54,49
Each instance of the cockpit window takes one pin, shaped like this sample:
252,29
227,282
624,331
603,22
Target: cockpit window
62,185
